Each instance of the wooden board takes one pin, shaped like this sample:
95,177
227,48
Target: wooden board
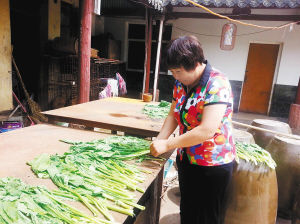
20,146
120,114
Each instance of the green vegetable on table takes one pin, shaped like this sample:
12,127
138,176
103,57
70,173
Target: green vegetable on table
96,173
157,111
24,204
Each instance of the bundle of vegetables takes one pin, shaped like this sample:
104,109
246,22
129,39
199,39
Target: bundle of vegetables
24,204
116,147
157,111
254,153
95,174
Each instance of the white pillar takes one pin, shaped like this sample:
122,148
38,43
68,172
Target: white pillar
158,57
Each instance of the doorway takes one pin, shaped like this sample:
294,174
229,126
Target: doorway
25,37
259,75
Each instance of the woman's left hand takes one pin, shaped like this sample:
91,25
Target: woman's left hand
158,147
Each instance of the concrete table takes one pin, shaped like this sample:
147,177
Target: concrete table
117,113
20,146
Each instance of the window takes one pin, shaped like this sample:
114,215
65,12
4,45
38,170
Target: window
136,46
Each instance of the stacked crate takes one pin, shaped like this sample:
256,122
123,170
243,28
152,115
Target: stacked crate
63,77
69,73
61,84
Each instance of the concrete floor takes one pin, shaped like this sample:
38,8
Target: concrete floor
247,118
169,212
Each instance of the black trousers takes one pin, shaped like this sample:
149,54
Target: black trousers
203,192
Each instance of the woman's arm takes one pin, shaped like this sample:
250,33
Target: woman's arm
169,125
211,120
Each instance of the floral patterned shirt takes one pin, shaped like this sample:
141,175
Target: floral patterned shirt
213,88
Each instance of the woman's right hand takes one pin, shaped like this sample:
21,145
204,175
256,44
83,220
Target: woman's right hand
159,147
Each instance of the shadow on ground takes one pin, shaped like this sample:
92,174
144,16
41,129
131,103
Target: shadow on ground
174,195
170,219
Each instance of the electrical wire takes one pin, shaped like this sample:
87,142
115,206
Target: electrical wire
212,35
237,21
200,34
246,34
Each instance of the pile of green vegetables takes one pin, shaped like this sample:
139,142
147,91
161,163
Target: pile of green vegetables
115,147
255,154
95,173
23,204
157,111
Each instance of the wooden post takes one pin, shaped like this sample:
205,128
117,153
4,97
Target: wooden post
6,100
86,9
294,114
294,118
297,101
148,50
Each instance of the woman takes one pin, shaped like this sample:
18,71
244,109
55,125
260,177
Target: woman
202,107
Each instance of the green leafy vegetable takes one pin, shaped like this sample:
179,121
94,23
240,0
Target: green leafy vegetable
157,111
24,204
96,174
254,153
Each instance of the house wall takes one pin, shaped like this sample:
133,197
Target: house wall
6,102
233,62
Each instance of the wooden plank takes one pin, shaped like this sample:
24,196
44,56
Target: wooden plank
6,98
121,114
20,146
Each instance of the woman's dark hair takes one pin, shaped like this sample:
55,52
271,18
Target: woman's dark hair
185,51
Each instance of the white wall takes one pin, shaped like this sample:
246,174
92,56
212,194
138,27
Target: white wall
119,28
233,63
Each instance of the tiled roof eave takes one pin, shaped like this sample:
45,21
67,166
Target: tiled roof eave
160,4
